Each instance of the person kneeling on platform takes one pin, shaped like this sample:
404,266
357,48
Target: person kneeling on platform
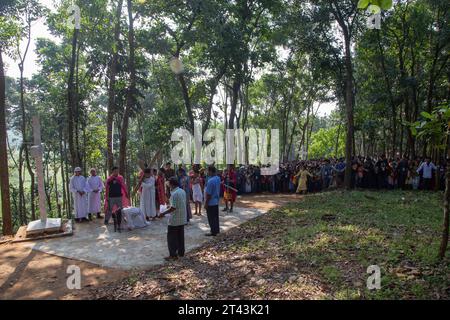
177,220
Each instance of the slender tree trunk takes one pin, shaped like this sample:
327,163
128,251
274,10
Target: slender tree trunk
7,227
22,202
337,140
349,113
212,93
55,182
187,101
78,114
130,93
234,102
67,179
305,127
247,107
112,85
25,138
388,86
63,177
74,159
291,140
349,91
446,223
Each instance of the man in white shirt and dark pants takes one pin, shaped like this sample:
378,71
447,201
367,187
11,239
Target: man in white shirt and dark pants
427,168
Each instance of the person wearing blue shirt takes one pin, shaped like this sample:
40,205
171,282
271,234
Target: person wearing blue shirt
212,195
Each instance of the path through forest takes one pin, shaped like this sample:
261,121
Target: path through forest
28,274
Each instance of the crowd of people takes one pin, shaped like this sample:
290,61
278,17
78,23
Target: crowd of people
163,192
307,176
171,191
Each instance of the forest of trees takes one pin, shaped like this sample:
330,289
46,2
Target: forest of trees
106,94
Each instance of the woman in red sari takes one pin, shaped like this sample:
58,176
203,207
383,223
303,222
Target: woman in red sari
160,188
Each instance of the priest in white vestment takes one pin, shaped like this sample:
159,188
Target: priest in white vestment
147,190
77,187
94,188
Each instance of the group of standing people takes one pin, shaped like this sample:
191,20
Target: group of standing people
306,176
162,192
167,191
87,194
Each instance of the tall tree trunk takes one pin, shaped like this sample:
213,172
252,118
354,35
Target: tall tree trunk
63,178
25,138
305,127
291,140
71,104
78,114
112,89
7,228
234,101
55,182
22,202
130,93
446,223
346,29
388,86
187,101
336,149
67,179
349,98
247,107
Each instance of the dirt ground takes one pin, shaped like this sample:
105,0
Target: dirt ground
29,274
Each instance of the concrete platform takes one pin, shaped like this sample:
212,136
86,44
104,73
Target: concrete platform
49,225
63,231
138,249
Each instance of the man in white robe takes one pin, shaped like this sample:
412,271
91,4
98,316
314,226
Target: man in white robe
147,199
77,186
94,188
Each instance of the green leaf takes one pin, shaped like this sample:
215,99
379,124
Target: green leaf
426,115
375,2
362,4
386,4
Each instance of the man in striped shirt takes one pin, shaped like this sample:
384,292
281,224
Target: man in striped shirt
177,220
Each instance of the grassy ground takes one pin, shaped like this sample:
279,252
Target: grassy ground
398,231
317,248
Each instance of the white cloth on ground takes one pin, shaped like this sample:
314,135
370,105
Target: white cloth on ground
134,218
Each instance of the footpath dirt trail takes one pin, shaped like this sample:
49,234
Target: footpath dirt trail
29,274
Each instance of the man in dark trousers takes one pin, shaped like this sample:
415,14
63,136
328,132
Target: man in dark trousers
177,220
212,195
